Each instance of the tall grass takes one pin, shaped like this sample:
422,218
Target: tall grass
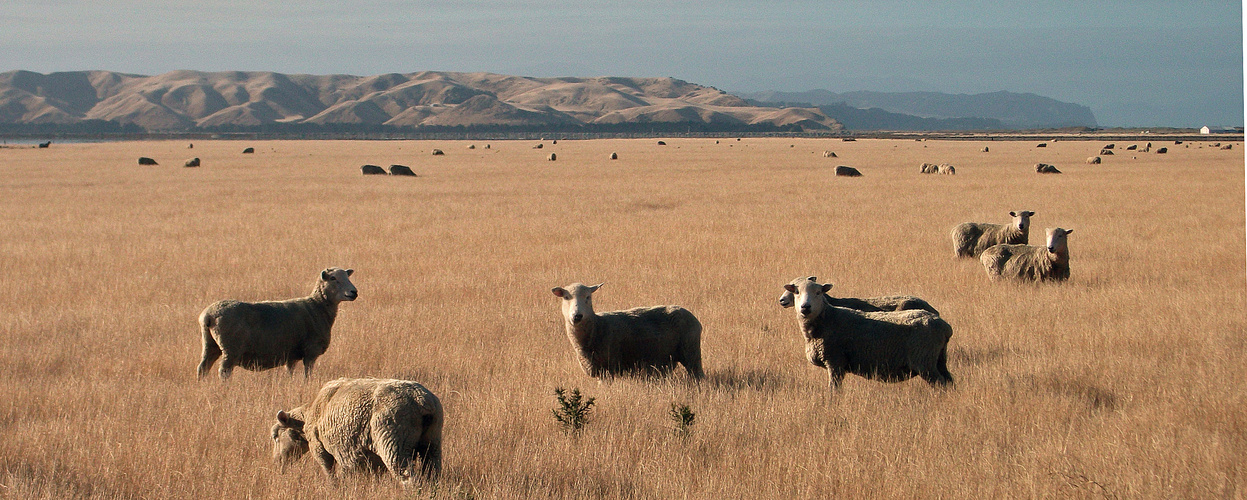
1124,382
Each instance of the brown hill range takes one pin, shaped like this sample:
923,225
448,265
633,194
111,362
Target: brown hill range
185,99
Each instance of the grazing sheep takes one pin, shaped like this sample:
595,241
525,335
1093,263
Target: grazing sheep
970,239
1109,146
1106,152
143,160
401,170
372,170
1042,145
1148,147
869,304
1045,168
1032,263
1228,146
438,152
614,156
1093,160
985,149
829,154
471,146
1132,147
644,339
947,169
662,143
263,335
45,145
884,346
248,151
1161,151
552,157
365,425
929,168
847,171
193,162
539,146
1174,142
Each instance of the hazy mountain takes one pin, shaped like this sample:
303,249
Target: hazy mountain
1013,110
181,100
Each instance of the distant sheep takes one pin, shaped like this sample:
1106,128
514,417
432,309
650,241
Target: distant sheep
929,168
1161,151
644,339
1174,142
884,346
193,162
662,143
438,152
868,304
829,154
1045,168
1030,263
190,146
365,425
844,171
471,146
1228,146
248,151
143,160
1132,147
372,170
263,335
614,156
1042,145
947,169
45,145
985,149
539,146
1093,160
1106,152
552,157
401,170
1109,146
970,239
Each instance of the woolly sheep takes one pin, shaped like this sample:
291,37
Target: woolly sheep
248,151
884,346
263,335
1042,145
365,425
1093,160
401,170
552,157
614,156
644,339
1106,152
1132,147
193,162
970,239
929,168
869,304
947,169
143,160
372,170
662,143
539,146
829,154
985,149
1161,151
438,152
45,145
1030,263
1109,146
847,171
1045,168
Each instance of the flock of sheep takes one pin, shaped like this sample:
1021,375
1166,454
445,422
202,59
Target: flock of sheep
396,425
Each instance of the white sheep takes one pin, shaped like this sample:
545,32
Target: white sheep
970,239
868,304
1030,263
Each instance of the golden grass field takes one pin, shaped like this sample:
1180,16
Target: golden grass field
1124,382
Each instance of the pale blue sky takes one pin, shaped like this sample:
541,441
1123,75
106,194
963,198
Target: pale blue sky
1148,63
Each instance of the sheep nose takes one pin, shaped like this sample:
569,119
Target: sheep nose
577,317
805,309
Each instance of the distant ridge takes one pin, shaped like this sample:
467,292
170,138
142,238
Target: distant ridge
187,100
1011,110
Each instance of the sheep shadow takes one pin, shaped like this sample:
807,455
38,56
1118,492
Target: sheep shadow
734,379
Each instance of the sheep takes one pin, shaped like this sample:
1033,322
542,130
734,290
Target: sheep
1032,263
1161,151
45,145
248,151
929,168
1109,146
614,156
552,157
1228,146
869,304
1045,168
985,149
644,339
193,162
372,170
662,143
438,152
143,160
970,239
884,346
1106,152
847,171
471,146
539,146
829,154
263,335
1093,160
401,170
947,169
1132,147
365,425
1042,145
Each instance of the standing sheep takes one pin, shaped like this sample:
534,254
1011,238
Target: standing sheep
869,304
649,339
970,239
947,169
1045,168
552,157
365,425
929,168
263,335
1031,263
884,346
193,162
614,156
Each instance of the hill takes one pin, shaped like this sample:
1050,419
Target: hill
1012,110
182,100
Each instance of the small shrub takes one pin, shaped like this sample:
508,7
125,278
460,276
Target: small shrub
573,411
683,417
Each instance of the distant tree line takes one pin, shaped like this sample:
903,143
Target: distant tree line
82,128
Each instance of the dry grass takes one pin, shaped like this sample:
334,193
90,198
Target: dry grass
1125,382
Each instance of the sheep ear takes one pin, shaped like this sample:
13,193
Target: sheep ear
558,292
283,418
350,272
813,278
595,288
1069,231
791,288
826,287
1029,213
1011,214
324,275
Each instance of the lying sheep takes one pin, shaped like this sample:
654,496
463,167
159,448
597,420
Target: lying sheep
844,171
929,168
248,151
193,162
1032,263
947,169
970,239
1132,147
372,170
869,304
365,425
263,335
829,154
143,160
884,346
1106,152
1093,160
649,339
401,170
438,152
1045,168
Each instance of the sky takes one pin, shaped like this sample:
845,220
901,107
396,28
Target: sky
1138,63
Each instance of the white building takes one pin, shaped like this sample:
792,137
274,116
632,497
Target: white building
1205,130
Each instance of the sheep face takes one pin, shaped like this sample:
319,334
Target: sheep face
577,301
336,284
289,443
1056,240
809,297
786,300
1022,220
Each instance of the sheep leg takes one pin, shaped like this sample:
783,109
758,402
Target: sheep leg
691,359
227,367
212,351
835,376
431,456
325,459
308,364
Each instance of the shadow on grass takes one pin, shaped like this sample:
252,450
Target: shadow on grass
745,379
